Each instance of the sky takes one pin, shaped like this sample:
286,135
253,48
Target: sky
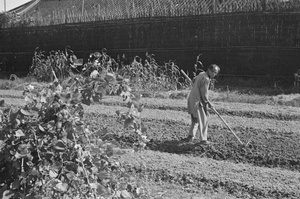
10,4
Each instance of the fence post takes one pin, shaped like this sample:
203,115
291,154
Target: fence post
214,6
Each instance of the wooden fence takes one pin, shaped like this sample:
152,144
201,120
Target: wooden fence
55,12
259,44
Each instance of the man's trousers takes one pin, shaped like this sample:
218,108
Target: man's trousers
199,123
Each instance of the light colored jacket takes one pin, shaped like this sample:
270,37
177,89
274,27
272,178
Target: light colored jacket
199,93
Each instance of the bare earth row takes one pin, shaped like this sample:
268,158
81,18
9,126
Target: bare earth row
264,124
267,148
233,109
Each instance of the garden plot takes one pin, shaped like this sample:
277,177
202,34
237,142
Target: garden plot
267,168
269,147
240,180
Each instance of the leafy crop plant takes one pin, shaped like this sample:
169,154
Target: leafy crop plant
47,151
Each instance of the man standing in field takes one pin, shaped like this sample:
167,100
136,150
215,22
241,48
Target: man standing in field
198,103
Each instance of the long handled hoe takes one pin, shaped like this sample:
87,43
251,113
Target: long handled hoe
216,112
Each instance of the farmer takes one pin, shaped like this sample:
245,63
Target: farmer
198,103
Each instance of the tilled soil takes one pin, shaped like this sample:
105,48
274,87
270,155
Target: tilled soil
223,111
267,168
270,147
266,148
241,180
231,109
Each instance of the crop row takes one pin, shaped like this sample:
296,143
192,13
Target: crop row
182,118
268,148
283,113
274,144
240,180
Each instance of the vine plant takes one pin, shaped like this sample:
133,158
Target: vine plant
132,118
47,151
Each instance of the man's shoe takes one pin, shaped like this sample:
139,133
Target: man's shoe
188,138
204,142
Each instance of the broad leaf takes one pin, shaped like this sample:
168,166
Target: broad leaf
28,99
125,195
23,149
41,128
17,123
15,184
61,187
34,172
86,96
53,174
19,133
94,74
59,146
110,77
58,89
128,122
1,103
97,97
101,190
43,99
103,175
93,185
1,114
70,175
83,139
34,196
2,144
25,112
65,97
7,194
13,115
2,189
138,192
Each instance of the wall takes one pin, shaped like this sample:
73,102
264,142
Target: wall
258,44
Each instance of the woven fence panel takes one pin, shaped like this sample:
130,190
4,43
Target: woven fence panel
245,44
76,11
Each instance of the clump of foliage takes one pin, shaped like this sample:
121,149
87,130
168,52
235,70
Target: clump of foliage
55,65
142,75
47,151
149,75
132,118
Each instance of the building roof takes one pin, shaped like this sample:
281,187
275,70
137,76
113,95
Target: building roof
47,12
23,8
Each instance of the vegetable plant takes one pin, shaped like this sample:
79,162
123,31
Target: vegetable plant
46,151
